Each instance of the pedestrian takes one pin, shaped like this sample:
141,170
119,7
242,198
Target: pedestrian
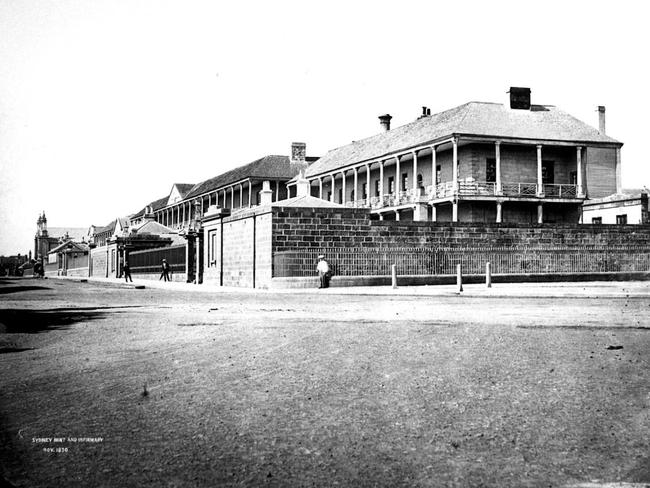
323,269
165,271
127,272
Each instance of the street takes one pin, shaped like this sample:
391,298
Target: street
104,385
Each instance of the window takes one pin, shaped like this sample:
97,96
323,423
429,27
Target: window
621,219
491,170
548,172
596,220
377,188
329,196
391,184
438,174
419,181
364,191
405,181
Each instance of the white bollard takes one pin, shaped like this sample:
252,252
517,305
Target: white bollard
394,275
459,279
488,275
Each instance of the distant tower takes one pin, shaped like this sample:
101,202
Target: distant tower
40,239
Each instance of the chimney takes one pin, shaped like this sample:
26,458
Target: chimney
426,111
148,214
601,119
303,187
298,152
384,120
519,98
266,195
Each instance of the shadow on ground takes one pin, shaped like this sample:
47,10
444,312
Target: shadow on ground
19,321
16,289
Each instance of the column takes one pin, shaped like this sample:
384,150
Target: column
356,185
183,207
434,213
540,184
499,212
454,211
241,195
540,213
579,170
454,162
368,184
277,191
232,197
619,182
497,158
415,172
320,187
250,193
332,196
433,167
381,180
344,189
398,178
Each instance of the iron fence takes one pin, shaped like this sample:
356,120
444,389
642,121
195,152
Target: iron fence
150,260
442,260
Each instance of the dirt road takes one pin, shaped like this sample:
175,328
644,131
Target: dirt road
105,386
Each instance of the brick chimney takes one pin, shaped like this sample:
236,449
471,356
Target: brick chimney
384,120
519,98
303,187
601,119
298,152
266,195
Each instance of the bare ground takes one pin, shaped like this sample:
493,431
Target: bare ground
318,390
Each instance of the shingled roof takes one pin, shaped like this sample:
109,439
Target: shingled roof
156,204
267,168
541,122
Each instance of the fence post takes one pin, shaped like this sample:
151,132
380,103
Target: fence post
488,275
459,279
393,269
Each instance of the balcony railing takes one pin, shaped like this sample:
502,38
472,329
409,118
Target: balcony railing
467,188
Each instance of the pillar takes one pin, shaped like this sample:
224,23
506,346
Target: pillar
619,182
197,271
396,215
183,207
356,185
454,162
250,193
579,170
499,212
368,184
381,180
454,211
415,172
277,190
540,183
420,212
333,196
232,197
241,195
433,167
398,178
343,186
434,213
497,158
540,213
320,187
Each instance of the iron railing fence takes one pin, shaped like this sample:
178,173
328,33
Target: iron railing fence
150,260
443,260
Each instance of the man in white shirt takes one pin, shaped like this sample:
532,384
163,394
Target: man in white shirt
323,272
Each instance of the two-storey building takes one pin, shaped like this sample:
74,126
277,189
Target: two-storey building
479,162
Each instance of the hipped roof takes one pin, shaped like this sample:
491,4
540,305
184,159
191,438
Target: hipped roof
494,120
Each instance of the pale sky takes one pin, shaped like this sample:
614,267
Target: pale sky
104,104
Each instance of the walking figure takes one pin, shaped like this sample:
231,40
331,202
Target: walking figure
165,271
127,272
323,269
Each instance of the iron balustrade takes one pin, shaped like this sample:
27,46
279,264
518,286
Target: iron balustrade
442,260
150,260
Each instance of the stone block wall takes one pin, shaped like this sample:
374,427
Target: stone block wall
98,257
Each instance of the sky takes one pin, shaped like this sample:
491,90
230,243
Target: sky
104,104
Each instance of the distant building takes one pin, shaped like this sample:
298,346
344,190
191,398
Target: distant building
628,207
47,239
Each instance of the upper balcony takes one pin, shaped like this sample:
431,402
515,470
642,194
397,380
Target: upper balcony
466,189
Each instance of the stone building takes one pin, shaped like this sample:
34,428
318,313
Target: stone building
47,239
627,207
479,162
